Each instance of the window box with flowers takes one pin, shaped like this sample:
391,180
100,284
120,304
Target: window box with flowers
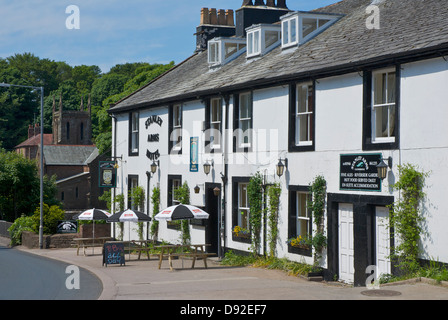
241,234
299,245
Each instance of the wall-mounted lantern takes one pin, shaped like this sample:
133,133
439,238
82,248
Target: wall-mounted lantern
197,189
208,166
216,191
281,167
154,166
382,167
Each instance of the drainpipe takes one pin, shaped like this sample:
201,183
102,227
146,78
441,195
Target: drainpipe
224,177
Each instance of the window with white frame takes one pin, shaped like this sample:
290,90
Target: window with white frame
262,38
290,31
214,52
243,206
177,127
222,50
253,43
245,119
302,215
383,105
304,114
215,122
133,133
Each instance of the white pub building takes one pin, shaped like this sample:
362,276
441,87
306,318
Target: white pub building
330,92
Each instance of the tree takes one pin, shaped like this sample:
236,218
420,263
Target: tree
20,186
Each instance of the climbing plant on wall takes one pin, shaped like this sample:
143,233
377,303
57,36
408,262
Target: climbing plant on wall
318,190
155,198
182,194
255,198
407,219
274,192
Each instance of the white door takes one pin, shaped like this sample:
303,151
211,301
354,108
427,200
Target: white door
346,243
382,240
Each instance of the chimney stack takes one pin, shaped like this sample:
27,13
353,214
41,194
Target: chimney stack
30,131
281,4
270,3
205,16
229,18
214,24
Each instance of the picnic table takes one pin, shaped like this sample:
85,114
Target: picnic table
195,251
90,242
137,245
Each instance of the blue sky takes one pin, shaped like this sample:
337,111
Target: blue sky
111,32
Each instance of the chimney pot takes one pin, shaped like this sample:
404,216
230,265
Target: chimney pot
247,3
229,18
205,18
259,3
270,3
213,16
222,17
281,4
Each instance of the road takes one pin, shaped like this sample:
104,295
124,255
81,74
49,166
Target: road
25,276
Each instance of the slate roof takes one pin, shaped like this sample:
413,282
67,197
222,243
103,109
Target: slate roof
35,141
66,155
408,28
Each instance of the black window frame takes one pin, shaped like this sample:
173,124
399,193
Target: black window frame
292,218
172,224
207,125
367,143
235,189
292,146
236,122
131,151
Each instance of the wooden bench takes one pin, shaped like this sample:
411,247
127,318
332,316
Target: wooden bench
89,243
197,252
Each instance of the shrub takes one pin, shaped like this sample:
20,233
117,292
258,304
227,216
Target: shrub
20,224
51,216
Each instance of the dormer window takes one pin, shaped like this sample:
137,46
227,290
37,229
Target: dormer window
261,39
299,27
222,50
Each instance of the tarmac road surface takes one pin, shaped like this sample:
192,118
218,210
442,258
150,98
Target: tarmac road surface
25,276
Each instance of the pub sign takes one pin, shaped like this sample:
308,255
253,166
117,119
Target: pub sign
108,174
359,172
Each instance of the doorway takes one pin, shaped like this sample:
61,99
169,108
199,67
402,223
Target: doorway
211,224
382,250
346,243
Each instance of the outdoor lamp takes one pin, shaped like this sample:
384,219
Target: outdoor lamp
154,166
216,191
196,189
281,166
382,167
207,167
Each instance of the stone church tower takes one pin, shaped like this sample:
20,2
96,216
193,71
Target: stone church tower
72,127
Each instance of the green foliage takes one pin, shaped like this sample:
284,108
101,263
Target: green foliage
406,219
51,216
155,198
255,198
274,192
291,267
137,196
21,224
20,186
318,240
182,194
20,106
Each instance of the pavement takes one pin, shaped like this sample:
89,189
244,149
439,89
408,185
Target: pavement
142,280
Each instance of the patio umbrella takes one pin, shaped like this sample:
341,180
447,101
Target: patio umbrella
93,214
181,212
129,215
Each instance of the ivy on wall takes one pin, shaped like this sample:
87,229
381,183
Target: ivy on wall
274,192
182,194
406,218
155,198
318,190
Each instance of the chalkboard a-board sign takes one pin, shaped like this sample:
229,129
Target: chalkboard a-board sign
113,253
